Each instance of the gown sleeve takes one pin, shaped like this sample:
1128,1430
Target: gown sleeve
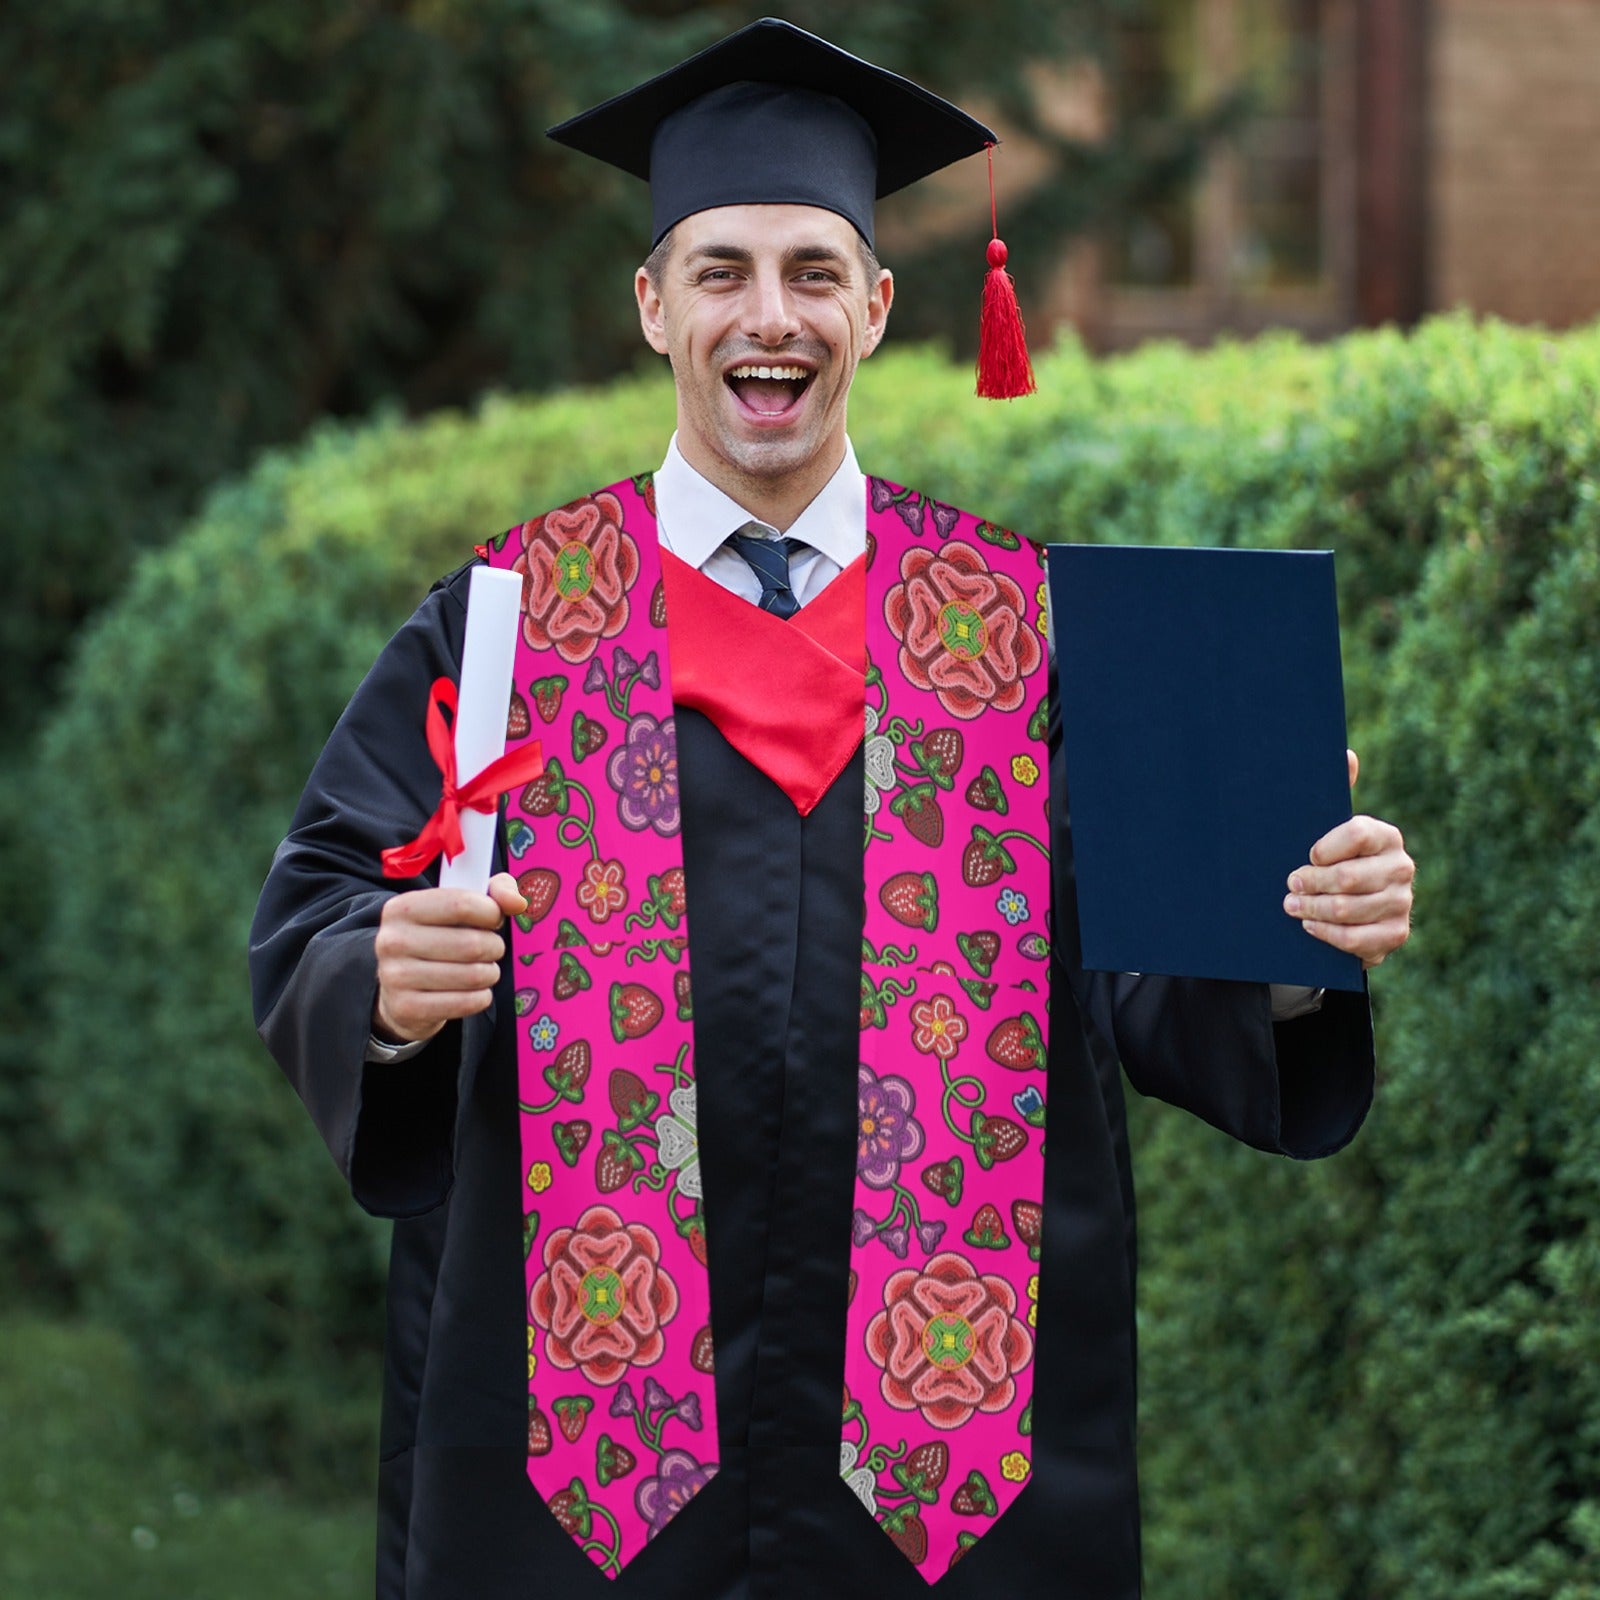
1299,1088
313,965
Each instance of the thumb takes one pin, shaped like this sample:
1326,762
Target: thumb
504,892
1355,766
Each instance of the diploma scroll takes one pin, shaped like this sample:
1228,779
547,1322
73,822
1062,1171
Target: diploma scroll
494,610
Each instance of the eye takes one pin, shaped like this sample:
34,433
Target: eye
718,275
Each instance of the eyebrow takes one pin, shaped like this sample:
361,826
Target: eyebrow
738,255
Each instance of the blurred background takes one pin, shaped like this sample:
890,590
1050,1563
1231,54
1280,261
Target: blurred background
297,304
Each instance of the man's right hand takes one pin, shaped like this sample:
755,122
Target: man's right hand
439,954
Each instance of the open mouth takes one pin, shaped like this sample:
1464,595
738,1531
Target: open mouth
769,391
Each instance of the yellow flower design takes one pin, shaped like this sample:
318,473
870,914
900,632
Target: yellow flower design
539,1176
1033,1296
1025,770
1014,1466
533,1359
1043,621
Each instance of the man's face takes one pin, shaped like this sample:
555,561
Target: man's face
764,311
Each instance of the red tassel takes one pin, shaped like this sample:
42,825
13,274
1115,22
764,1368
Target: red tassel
1004,370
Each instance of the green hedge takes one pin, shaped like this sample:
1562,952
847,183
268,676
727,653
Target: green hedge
1373,1377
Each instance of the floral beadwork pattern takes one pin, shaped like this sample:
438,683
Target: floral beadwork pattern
577,566
644,772
962,629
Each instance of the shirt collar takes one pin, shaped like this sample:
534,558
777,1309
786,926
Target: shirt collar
696,517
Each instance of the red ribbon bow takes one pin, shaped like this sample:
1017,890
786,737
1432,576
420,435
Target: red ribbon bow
442,831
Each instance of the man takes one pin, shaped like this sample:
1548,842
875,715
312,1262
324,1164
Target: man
399,1016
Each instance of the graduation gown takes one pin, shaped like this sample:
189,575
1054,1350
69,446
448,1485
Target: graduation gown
775,907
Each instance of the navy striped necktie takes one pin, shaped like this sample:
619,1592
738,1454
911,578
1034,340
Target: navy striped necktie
769,560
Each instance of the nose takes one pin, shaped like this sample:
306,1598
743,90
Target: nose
771,316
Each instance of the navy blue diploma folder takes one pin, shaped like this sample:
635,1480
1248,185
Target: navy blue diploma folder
1202,713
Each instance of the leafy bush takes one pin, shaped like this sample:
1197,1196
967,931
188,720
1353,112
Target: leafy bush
1374,1377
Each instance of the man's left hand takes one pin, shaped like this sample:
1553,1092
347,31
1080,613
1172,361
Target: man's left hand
1355,893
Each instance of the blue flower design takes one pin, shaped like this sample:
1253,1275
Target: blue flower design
1013,906
544,1033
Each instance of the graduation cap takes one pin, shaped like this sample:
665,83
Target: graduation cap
773,115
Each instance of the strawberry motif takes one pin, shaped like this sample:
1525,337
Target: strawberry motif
700,1352
944,1178
1039,722
940,755
666,896
633,1103
539,887
658,605
924,1470
680,993
587,736
569,938
996,1139
1017,1043
538,1430
984,792
975,1498
910,1533
570,977
918,808
570,1138
635,1010
524,1000
987,1231
568,1073
530,1232
979,992
912,898
547,793
1034,946
572,1412
612,1460
616,1162
850,1300
570,1507
985,860
518,723
981,949
547,693
964,1542
694,1232
1028,1217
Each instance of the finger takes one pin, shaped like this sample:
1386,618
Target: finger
504,892
1360,836
1357,875
1354,909
1353,761
434,977
1371,942
447,908
413,1016
426,941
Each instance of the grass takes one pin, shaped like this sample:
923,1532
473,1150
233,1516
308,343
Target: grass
93,1504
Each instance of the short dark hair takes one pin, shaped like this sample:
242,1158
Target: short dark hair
655,264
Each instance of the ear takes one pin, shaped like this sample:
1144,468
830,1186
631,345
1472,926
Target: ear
652,314
879,300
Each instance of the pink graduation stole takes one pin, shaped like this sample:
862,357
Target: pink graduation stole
950,1092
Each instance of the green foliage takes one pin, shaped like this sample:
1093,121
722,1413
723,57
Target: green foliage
1369,1379
96,1500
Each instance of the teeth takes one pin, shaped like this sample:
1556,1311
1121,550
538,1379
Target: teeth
797,374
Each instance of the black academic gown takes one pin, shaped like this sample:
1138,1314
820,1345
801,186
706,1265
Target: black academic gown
775,908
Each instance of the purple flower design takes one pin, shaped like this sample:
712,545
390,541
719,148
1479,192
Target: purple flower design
650,672
862,1227
887,1132
679,1478
595,679
623,666
623,1403
929,1234
655,1397
644,772
689,1411
896,1240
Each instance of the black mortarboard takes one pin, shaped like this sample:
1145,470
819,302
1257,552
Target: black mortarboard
774,115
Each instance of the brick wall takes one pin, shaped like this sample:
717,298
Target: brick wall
1514,162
